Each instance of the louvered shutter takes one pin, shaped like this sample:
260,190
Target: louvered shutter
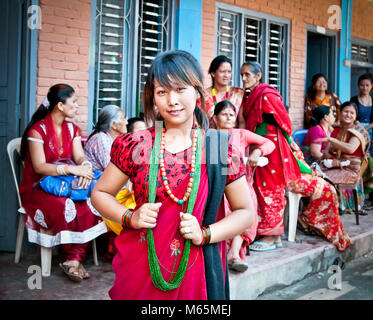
226,33
153,37
253,40
275,55
109,53
360,53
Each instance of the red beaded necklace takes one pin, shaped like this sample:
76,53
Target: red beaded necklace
192,168
226,97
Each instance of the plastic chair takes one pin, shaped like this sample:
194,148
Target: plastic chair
299,136
293,209
14,147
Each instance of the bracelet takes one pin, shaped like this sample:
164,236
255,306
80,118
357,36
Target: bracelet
206,235
127,219
61,170
86,162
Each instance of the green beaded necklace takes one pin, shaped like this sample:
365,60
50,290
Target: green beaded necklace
154,267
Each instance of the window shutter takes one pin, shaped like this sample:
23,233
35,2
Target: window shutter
226,33
109,54
253,40
153,37
360,53
275,55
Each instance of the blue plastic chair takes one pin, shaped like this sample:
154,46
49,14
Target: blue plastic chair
299,136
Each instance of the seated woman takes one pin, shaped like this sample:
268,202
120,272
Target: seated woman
251,146
110,124
321,213
318,95
51,146
345,153
322,122
136,124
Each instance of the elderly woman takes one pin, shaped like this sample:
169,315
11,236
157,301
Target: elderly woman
345,153
318,95
111,123
263,112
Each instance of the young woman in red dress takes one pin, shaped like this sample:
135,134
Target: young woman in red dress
164,248
51,146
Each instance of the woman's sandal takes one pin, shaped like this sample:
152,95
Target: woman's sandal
237,264
75,274
307,231
84,272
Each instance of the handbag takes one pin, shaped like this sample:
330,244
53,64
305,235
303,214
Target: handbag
67,186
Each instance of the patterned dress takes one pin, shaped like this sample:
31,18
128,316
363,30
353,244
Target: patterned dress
52,220
321,213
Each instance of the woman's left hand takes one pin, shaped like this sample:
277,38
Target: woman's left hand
190,228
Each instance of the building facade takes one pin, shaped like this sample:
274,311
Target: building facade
104,47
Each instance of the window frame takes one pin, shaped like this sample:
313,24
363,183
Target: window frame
238,60
129,103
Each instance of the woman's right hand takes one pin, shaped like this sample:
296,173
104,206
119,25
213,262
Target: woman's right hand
146,216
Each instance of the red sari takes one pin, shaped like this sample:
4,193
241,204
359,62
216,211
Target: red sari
270,180
131,154
52,220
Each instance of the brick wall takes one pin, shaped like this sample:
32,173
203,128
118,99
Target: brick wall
64,50
362,20
300,13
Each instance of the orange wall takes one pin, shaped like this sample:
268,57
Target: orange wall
362,20
64,50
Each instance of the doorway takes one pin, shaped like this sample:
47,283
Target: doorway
17,101
321,58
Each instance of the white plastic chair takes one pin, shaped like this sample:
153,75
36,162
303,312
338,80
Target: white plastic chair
46,253
293,209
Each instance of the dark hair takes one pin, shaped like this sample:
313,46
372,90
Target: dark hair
350,104
106,117
311,91
222,105
131,123
318,114
366,76
57,93
216,63
170,68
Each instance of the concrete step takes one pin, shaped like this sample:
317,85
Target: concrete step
275,269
